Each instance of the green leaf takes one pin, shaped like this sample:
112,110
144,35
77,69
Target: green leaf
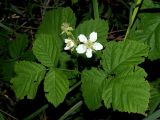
7,69
46,50
98,25
153,116
26,82
149,4
155,96
120,54
16,47
28,56
92,87
154,99
52,21
127,91
56,86
147,31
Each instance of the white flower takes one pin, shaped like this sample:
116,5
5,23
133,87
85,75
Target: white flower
69,44
89,45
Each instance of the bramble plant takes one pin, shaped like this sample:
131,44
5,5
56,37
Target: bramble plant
116,81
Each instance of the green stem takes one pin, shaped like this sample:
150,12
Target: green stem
74,86
134,14
71,110
8,115
95,9
30,117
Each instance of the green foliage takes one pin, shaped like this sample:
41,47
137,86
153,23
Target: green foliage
147,31
7,70
153,116
26,82
92,87
53,20
56,86
126,53
155,96
98,25
17,46
118,81
127,91
149,4
28,56
46,50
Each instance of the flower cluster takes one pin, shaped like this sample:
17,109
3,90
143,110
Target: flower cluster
86,45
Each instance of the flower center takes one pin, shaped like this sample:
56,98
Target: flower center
89,44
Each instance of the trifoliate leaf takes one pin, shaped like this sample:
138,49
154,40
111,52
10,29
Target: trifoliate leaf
99,26
17,46
119,54
56,86
148,32
46,50
92,87
127,91
26,82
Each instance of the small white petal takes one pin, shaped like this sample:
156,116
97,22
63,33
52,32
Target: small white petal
66,48
71,44
67,40
97,46
81,49
82,38
93,36
89,53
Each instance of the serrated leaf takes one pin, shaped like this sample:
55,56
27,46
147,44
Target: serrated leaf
56,86
52,21
148,29
119,54
26,82
98,25
46,50
127,91
92,87
16,47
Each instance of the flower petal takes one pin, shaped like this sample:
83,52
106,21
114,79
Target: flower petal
81,49
89,53
97,46
82,38
67,48
71,44
93,36
67,40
